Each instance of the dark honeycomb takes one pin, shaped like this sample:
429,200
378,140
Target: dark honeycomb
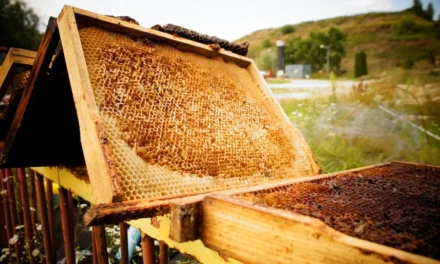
397,206
240,49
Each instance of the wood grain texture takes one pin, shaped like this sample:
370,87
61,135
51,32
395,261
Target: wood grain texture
186,220
96,149
258,234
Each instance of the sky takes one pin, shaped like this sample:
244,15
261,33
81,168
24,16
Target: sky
228,19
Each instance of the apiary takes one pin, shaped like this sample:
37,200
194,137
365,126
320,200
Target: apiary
149,123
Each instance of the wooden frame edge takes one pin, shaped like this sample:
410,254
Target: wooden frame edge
96,149
226,219
137,30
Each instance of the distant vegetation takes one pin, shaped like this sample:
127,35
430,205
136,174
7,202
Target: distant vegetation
394,42
18,25
418,10
287,29
312,50
360,64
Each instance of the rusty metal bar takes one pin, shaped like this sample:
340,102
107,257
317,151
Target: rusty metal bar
123,228
101,244
26,213
148,251
72,220
6,212
19,206
12,210
94,252
48,248
50,211
33,195
69,247
163,253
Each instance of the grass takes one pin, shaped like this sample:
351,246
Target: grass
368,137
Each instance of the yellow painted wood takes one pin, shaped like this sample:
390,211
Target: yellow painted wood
194,248
67,180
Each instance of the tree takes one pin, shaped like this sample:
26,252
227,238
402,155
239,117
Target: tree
267,44
429,13
417,8
287,29
266,61
360,65
308,51
18,25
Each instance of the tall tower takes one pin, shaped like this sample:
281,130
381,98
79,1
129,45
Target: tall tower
280,57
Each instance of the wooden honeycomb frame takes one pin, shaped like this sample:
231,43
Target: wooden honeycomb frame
96,151
15,59
240,229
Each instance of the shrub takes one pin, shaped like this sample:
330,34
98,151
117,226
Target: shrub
266,43
408,63
405,26
287,29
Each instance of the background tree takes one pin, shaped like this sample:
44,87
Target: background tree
18,25
429,13
360,65
266,61
267,44
308,51
287,29
417,8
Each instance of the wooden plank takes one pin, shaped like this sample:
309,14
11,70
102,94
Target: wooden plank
257,234
94,142
186,220
88,18
159,229
39,68
23,53
79,184
115,213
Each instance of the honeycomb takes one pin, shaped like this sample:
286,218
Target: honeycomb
181,123
396,205
7,116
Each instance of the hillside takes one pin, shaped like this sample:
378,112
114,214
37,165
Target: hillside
380,35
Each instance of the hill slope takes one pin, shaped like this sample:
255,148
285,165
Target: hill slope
389,39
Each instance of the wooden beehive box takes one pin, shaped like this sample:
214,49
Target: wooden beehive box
377,214
153,116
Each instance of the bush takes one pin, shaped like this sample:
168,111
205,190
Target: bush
287,29
405,26
266,43
408,63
